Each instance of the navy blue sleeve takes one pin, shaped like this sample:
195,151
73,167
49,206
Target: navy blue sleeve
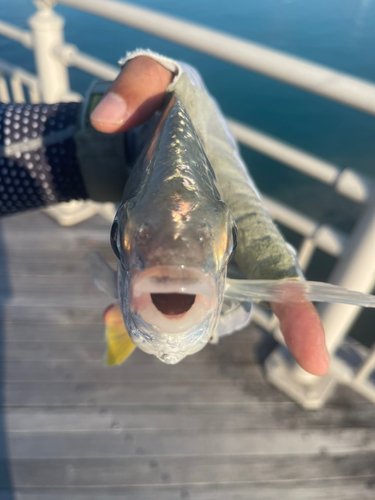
38,163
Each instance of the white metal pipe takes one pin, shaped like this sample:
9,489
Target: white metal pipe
9,69
354,186
312,77
71,56
17,89
47,29
329,239
4,90
299,160
356,271
326,238
347,182
71,97
18,35
263,318
367,367
290,217
306,252
34,95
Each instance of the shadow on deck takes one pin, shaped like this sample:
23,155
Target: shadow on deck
207,428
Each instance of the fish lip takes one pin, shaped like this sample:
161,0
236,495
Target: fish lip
172,279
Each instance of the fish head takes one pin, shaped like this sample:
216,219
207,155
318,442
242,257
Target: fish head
171,271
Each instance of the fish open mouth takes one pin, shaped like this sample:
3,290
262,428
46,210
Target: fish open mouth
172,298
173,304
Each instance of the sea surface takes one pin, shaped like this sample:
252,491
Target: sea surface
336,33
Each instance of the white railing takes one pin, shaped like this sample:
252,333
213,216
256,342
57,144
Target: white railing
355,268
18,79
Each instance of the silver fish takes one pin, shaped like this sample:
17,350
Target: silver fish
174,237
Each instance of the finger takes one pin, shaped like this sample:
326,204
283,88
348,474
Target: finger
304,335
133,97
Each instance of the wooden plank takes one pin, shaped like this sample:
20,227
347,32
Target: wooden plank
150,392
139,367
22,316
51,285
36,220
179,469
58,243
44,267
360,488
219,417
35,351
226,352
44,301
207,442
39,332
73,424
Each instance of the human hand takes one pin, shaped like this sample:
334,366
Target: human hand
132,99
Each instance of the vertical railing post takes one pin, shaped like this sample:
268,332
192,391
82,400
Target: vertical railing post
48,32
356,271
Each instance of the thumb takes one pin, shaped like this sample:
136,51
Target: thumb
133,97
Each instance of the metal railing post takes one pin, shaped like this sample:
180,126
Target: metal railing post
355,270
48,32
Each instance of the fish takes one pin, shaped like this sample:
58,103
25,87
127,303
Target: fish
175,239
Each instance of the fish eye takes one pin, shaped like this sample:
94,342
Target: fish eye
234,244
113,238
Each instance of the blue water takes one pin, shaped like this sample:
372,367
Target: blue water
337,33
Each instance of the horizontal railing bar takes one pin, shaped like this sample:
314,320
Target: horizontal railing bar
17,34
71,56
263,318
27,78
311,77
308,164
346,182
71,96
325,237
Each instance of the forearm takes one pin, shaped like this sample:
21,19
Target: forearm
38,161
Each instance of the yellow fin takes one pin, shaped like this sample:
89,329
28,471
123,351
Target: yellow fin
119,344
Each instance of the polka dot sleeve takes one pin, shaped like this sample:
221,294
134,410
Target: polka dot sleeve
38,164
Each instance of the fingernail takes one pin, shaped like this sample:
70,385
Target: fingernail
111,109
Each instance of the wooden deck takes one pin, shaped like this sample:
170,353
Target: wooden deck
209,428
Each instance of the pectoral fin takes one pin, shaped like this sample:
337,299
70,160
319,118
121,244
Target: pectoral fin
119,344
105,278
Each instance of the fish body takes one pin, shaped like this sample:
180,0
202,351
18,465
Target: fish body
174,237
